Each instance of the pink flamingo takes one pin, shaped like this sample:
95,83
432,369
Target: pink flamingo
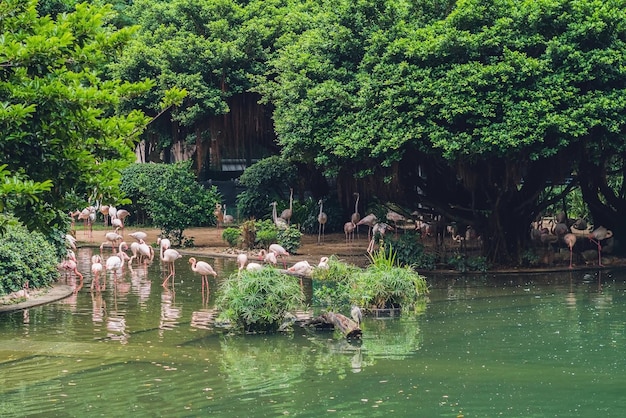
322,218
570,240
280,251
356,216
597,236
203,269
268,257
169,256
348,229
96,270
370,220
115,263
112,238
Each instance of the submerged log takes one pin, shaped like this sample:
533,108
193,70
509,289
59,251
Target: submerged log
330,320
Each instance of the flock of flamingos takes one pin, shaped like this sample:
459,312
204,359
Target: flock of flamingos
142,252
556,231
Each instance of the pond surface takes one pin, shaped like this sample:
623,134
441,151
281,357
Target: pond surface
521,346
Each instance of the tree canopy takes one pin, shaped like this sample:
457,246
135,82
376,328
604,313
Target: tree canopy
472,114
58,107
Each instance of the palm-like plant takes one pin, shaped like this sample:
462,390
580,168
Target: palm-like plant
258,301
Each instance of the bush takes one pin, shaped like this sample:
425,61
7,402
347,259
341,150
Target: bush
331,287
410,251
231,236
173,199
290,239
265,182
25,257
384,284
258,301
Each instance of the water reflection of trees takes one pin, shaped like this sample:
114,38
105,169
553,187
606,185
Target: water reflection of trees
258,362
255,363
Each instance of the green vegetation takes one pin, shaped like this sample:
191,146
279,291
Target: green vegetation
26,258
172,198
265,182
489,113
232,236
384,284
259,301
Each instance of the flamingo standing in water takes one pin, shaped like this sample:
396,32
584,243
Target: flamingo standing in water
115,262
96,270
280,251
203,269
169,256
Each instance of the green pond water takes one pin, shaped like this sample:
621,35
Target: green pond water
514,346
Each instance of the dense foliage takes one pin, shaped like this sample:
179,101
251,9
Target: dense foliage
266,181
26,258
172,197
472,114
58,108
259,301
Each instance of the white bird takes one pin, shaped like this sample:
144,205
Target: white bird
70,241
111,238
115,262
139,235
96,270
163,244
597,236
253,266
570,241
242,260
301,267
286,214
268,257
228,219
323,264
169,257
122,214
280,252
370,220
322,218
278,221
203,269
348,229
141,250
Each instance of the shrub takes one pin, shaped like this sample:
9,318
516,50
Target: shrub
410,251
266,233
25,257
385,284
331,287
290,239
174,200
258,301
265,182
231,236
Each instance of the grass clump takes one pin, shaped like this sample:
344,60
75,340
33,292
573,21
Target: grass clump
259,301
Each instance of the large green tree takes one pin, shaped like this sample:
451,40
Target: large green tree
58,107
472,115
